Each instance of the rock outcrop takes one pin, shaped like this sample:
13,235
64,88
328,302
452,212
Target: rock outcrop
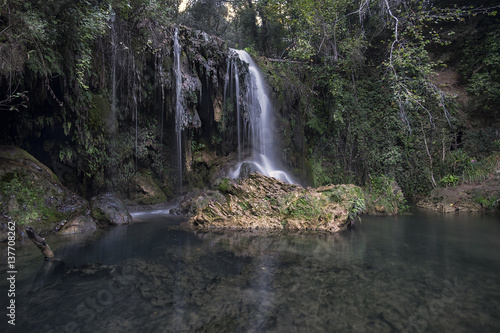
30,194
263,202
145,191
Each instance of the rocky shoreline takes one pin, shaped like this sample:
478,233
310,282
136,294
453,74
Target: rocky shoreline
31,194
481,196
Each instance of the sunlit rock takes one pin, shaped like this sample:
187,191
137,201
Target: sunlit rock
265,202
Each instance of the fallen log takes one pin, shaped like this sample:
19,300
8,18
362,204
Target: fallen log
40,243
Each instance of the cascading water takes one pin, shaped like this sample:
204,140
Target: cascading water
238,114
114,51
232,68
136,132
179,109
258,126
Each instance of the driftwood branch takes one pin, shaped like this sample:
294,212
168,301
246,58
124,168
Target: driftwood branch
40,243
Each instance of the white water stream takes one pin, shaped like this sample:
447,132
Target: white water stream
179,109
259,126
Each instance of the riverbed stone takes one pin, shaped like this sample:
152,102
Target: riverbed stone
108,209
264,202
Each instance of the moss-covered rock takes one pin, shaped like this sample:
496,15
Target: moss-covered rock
145,191
264,202
30,194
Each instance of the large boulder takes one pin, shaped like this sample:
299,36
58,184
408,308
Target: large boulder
264,202
108,209
30,194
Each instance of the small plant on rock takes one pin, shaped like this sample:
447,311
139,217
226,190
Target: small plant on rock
449,180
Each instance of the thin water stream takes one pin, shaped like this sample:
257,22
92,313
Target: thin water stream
179,109
420,273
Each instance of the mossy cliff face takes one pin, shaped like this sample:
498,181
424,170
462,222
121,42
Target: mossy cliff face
263,202
119,118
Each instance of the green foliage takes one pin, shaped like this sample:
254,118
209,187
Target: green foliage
481,66
488,202
353,195
224,185
354,81
302,50
206,15
461,168
304,207
384,196
477,171
410,67
358,207
196,147
449,180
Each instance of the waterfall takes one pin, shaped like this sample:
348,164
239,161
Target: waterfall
232,68
179,110
136,131
114,59
258,126
238,116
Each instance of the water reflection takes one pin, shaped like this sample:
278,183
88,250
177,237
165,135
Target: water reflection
413,273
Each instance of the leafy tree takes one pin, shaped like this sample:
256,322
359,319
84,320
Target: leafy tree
207,15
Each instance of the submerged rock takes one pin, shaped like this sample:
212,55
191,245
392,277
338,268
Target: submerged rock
108,209
264,202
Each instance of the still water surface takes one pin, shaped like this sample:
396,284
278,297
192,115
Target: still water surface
420,273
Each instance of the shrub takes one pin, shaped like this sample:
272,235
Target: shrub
384,196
